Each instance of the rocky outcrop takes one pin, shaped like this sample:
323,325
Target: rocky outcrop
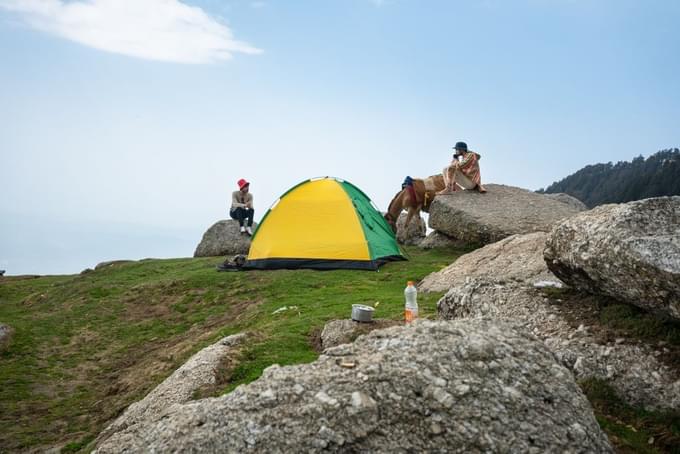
337,332
109,264
632,368
516,258
629,251
432,386
413,233
440,240
501,212
223,238
6,333
569,200
178,388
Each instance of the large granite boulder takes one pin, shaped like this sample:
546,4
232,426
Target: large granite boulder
516,258
569,325
223,238
629,251
501,212
200,370
439,240
469,386
568,199
413,233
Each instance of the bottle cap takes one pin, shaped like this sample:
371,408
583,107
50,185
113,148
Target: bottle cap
410,283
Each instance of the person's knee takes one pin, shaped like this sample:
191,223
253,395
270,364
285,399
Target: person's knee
250,212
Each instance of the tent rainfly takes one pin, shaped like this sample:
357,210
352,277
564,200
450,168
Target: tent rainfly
325,223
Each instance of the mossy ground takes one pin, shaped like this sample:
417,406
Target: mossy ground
630,429
86,346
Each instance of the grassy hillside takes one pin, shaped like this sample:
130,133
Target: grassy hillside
86,346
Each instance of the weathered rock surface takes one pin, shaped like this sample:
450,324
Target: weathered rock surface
110,263
415,232
178,388
337,332
440,240
223,238
468,386
6,333
569,200
631,368
516,258
501,212
629,251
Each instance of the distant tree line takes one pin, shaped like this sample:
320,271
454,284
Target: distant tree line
658,175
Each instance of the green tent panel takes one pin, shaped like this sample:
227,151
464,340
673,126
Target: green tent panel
324,223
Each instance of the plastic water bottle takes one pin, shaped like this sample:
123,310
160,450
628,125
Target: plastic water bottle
411,308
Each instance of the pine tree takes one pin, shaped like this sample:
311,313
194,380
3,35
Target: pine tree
658,175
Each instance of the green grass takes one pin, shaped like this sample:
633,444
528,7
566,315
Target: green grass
631,429
640,323
86,346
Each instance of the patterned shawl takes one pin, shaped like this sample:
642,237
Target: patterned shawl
470,167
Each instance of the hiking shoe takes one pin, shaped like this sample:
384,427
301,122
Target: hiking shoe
243,229
249,231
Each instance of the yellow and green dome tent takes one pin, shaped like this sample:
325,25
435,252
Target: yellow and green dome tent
323,223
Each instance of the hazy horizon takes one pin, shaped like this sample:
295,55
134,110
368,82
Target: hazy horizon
125,124
84,244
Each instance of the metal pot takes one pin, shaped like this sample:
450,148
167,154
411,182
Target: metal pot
362,313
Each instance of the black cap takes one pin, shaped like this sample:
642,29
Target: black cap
462,146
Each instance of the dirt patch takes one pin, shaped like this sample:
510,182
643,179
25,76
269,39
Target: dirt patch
145,367
611,321
112,376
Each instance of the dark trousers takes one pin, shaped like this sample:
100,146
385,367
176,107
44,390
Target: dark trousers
241,214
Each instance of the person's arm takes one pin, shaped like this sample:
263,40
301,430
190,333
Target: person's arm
468,157
249,203
234,201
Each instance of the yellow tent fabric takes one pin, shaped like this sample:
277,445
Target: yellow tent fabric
323,223
315,220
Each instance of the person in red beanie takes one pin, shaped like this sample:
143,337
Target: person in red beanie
242,207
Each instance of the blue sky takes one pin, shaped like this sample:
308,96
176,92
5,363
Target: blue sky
125,123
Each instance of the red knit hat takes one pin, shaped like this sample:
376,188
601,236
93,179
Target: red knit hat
242,183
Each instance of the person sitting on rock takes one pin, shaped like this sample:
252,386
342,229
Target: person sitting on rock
463,171
242,207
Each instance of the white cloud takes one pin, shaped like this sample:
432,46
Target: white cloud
165,30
